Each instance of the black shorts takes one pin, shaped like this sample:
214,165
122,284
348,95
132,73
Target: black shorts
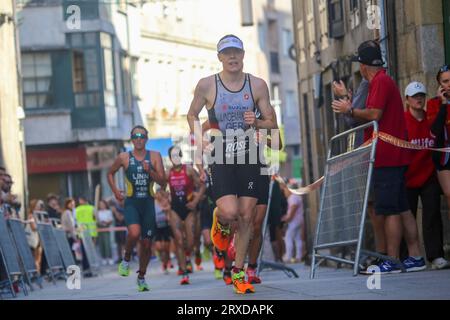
240,180
163,234
180,209
389,190
263,190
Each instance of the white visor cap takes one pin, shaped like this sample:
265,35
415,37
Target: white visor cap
415,88
229,42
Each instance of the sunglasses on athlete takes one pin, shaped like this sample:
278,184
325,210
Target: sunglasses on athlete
138,136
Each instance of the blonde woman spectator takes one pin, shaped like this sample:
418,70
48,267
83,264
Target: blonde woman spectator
68,223
32,237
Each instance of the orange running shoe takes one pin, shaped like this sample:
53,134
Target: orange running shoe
184,280
241,286
220,235
219,261
227,278
252,277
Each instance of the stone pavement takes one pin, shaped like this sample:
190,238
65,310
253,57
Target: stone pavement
330,284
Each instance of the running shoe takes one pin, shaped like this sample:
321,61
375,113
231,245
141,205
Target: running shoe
220,235
206,254
227,278
198,267
387,267
413,265
124,269
142,285
439,264
189,267
184,280
374,262
241,286
252,277
198,263
218,274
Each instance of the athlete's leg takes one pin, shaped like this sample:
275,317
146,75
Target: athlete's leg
134,233
246,212
197,240
256,240
190,224
144,256
177,230
228,210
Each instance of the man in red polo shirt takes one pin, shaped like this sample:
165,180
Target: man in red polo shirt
385,105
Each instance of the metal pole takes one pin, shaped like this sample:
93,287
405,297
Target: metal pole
266,218
366,199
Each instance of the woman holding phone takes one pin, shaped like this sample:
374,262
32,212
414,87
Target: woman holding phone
439,116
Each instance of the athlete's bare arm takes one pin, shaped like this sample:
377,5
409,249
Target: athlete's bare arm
121,161
157,173
198,184
201,99
262,100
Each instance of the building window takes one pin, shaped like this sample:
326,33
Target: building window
109,88
37,79
85,69
354,13
126,81
89,10
336,18
262,36
290,105
274,62
134,78
287,41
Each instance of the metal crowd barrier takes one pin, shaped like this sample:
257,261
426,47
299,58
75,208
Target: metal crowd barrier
50,245
10,259
63,244
28,264
91,252
344,198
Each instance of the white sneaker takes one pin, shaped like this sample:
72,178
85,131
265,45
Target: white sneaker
439,264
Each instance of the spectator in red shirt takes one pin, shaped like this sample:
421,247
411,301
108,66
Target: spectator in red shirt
439,116
385,105
421,179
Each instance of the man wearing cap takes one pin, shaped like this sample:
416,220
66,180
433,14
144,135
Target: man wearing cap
421,177
231,98
384,104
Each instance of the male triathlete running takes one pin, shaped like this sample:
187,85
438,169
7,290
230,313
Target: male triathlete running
141,168
231,98
182,180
